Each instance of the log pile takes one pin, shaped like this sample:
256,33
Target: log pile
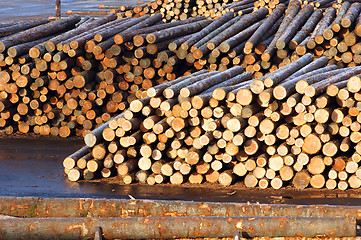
66,84
181,10
298,126
262,43
268,114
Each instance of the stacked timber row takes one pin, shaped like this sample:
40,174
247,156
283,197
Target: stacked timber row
69,83
330,32
20,102
299,125
336,36
262,43
181,10
220,45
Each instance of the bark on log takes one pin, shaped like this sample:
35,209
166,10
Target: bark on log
306,29
41,32
266,25
151,227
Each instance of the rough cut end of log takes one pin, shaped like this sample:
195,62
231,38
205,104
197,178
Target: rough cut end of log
301,180
312,144
257,86
90,139
280,92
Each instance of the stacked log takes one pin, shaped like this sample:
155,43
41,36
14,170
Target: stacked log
263,44
220,45
67,84
20,102
329,32
296,126
270,4
181,10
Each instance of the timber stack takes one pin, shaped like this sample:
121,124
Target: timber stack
265,115
67,84
181,10
261,42
299,125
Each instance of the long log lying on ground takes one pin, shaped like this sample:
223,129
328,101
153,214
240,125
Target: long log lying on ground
191,227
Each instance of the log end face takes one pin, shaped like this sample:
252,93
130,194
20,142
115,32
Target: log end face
97,50
354,84
118,39
138,40
197,54
73,44
184,46
197,102
224,47
168,93
265,57
215,53
265,96
34,52
301,86
165,106
328,34
178,124
292,45
68,163
79,81
4,76
319,39
301,180
136,106
244,97
310,91
280,44
279,92
346,23
311,44
268,82
74,175
50,46
234,125
301,50
312,144
151,38
90,139
89,46
336,27
257,86
2,47
219,94
151,92
172,46
98,37
321,115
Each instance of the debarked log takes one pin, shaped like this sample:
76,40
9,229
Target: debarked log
176,227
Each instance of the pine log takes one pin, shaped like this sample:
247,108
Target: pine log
306,29
20,26
321,26
207,30
42,31
266,25
243,23
294,26
352,13
291,12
